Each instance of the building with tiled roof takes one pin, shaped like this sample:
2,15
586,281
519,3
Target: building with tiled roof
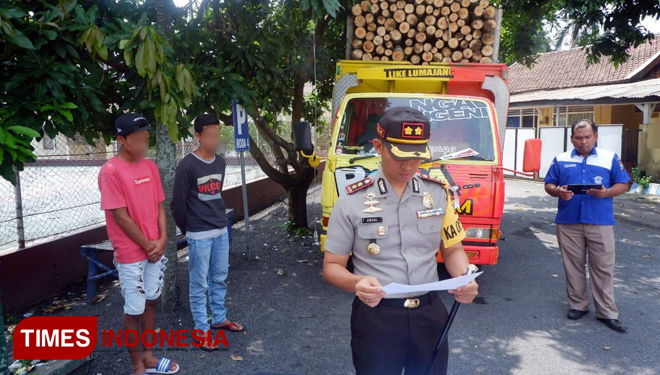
561,88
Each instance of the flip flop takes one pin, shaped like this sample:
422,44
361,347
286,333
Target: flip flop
163,367
229,327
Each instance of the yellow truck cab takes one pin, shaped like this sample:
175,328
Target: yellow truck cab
466,104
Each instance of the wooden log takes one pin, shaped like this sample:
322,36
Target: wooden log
446,59
375,8
469,37
438,3
380,31
411,33
415,59
489,12
386,5
420,37
453,27
388,51
357,54
418,48
486,60
420,10
366,57
384,58
356,9
477,34
460,22
395,35
439,43
463,13
380,50
452,43
455,7
484,3
437,57
459,36
409,50
453,17
404,27
430,31
467,53
378,40
400,4
421,27
434,50
487,38
412,19
442,23
370,36
466,30
438,34
392,8
429,9
487,50
457,56
371,27
478,11
477,24
359,21
388,44
368,46
409,42
418,2
360,32
385,13
463,44
409,8
357,44
427,56
490,25
476,55
399,16
429,20
436,12
428,47
366,6
446,52
445,11
466,3
390,24
369,17
398,55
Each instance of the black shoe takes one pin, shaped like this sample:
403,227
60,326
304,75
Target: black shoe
613,324
576,314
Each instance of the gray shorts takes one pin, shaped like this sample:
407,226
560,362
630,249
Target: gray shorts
140,281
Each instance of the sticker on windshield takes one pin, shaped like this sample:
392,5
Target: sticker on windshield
459,154
439,109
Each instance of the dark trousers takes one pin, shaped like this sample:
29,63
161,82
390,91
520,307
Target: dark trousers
387,339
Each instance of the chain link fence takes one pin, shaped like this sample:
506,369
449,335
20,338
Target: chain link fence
59,193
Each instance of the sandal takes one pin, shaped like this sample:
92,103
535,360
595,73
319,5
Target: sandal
163,367
231,326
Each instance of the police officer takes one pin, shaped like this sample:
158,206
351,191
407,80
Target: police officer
394,222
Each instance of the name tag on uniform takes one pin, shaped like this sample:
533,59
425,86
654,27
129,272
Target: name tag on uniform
369,220
430,213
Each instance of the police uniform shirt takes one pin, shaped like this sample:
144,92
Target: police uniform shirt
601,167
406,230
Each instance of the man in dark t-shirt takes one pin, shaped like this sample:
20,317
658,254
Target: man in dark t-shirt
199,212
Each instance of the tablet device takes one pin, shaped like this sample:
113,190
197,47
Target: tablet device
582,189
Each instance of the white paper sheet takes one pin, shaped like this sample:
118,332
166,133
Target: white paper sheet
449,284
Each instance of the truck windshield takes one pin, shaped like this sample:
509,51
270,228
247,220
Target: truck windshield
460,128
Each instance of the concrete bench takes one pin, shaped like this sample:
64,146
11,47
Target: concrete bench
92,251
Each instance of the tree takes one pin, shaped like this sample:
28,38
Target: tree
604,28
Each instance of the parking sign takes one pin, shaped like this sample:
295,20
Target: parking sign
241,130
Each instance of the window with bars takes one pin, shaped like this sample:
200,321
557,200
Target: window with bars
569,114
522,118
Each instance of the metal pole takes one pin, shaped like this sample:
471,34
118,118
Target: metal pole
4,358
245,206
19,210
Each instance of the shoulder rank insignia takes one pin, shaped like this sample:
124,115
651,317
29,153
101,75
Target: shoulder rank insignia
352,188
433,179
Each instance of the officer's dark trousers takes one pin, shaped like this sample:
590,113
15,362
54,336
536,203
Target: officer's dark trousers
387,339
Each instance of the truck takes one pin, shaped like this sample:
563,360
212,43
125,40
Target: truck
466,104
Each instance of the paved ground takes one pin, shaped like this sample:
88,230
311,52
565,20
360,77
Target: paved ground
297,324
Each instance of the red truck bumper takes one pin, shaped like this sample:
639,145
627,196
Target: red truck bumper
479,254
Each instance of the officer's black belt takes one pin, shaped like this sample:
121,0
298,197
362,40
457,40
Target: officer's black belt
407,303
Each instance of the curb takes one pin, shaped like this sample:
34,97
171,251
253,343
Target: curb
67,367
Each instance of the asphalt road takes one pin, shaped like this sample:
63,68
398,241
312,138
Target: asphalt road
297,324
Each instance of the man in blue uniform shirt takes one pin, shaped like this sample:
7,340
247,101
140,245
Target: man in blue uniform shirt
585,222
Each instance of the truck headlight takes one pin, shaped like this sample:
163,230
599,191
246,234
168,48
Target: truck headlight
475,232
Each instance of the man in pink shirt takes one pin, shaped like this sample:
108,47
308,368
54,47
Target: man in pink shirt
132,198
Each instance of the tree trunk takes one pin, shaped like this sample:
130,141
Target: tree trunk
166,161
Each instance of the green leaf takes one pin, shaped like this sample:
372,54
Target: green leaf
123,43
150,57
69,105
25,131
139,61
128,57
103,52
19,39
66,113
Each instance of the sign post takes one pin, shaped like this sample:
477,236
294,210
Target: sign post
242,144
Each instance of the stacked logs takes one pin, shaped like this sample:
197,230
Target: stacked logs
423,31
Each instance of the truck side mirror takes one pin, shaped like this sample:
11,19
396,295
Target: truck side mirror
532,155
302,137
